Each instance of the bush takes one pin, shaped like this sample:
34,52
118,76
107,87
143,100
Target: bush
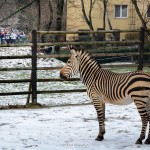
132,36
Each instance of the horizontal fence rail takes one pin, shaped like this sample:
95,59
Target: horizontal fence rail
29,68
43,92
16,45
68,55
88,43
58,68
81,32
16,57
38,80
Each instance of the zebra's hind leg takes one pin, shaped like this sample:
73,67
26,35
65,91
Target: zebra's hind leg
141,107
148,112
100,109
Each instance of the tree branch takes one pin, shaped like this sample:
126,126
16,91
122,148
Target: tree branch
88,20
139,13
18,10
90,12
84,13
3,4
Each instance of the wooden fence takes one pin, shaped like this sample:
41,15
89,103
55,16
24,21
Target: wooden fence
33,81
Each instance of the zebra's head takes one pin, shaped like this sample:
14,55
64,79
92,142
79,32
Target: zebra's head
72,66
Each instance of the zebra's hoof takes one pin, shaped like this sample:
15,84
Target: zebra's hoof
147,141
138,141
99,138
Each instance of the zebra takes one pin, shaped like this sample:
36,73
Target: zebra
105,86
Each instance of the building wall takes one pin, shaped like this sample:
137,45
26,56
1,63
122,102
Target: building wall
75,20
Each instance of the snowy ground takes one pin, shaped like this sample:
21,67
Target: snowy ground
60,128
69,128
46,99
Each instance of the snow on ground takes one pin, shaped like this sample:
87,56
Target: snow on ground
69,128
60,128
46,99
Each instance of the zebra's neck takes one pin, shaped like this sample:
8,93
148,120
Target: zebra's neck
88,68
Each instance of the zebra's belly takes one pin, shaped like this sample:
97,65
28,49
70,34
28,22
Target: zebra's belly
125,101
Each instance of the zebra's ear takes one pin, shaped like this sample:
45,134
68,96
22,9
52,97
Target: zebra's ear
72,49
73,52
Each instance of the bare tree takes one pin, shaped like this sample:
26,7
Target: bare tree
60,8
105,2
35,14
39,14
2,3
141,16
88,18
51,16
59,21
6,10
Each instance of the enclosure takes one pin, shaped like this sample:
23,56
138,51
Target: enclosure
70,121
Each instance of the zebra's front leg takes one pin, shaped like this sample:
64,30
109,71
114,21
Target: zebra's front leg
100,109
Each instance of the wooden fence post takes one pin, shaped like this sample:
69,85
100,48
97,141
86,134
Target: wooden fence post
34,67
141,49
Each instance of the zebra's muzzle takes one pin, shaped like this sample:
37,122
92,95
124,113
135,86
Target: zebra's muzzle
62,76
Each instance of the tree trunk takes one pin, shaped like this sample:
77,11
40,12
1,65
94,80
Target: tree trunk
143,22
39,15
89,20
51,16
60,8
104,16
139,13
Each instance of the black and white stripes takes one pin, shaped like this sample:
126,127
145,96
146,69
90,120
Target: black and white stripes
104,86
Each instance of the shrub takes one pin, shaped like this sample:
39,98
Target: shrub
132,36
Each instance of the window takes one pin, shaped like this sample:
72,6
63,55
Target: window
121,11
148,11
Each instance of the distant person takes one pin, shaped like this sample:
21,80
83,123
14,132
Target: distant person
48,50
0,38
13,37
22,37
7,37
43,39
57,49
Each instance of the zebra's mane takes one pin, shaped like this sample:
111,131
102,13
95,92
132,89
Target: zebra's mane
83,51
